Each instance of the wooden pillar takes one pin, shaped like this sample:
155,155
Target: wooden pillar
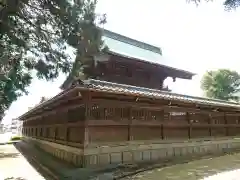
162,126
87,98
67,134
189,125
130,136
55,133
162,131
210,124
67,129
225,121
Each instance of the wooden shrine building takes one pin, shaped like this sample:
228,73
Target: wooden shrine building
125,110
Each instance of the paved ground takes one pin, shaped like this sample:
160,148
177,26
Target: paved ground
5,137
226,167
195,170
13,166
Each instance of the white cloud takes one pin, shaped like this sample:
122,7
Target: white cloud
192,38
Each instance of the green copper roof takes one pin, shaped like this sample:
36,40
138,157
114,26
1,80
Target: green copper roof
132,48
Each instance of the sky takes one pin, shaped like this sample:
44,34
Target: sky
193,38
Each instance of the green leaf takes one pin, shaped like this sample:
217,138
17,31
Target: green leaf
33,37
221,84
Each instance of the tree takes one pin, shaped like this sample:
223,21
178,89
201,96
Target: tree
34,35
229,4
221,84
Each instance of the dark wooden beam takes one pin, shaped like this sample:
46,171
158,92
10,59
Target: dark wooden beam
190,127
210,127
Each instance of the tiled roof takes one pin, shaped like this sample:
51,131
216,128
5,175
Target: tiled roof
152,93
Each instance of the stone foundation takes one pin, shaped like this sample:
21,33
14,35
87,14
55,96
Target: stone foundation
135,151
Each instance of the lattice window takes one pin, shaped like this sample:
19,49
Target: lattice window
138,114
118,114
142,114
62,117
238,120
41,132
56,133
152,115
134,114
50,118
129,72
193,117
125,113
159,115
96,112
76,114
177,116
109,113
143,74
47,132
120,69
217,119
199,118
44,120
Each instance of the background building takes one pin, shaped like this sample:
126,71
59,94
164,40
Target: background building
16,127
1,128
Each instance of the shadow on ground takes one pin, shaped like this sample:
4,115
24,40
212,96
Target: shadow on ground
9,155
14,178
34,164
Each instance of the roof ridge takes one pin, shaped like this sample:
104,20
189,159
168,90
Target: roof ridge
131,41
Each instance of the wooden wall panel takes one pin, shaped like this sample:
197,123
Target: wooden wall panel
51,133
199,118
61,133
218,120
76,134
234,131
175,133
108,133
145,132
232,119
218,131
200,132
